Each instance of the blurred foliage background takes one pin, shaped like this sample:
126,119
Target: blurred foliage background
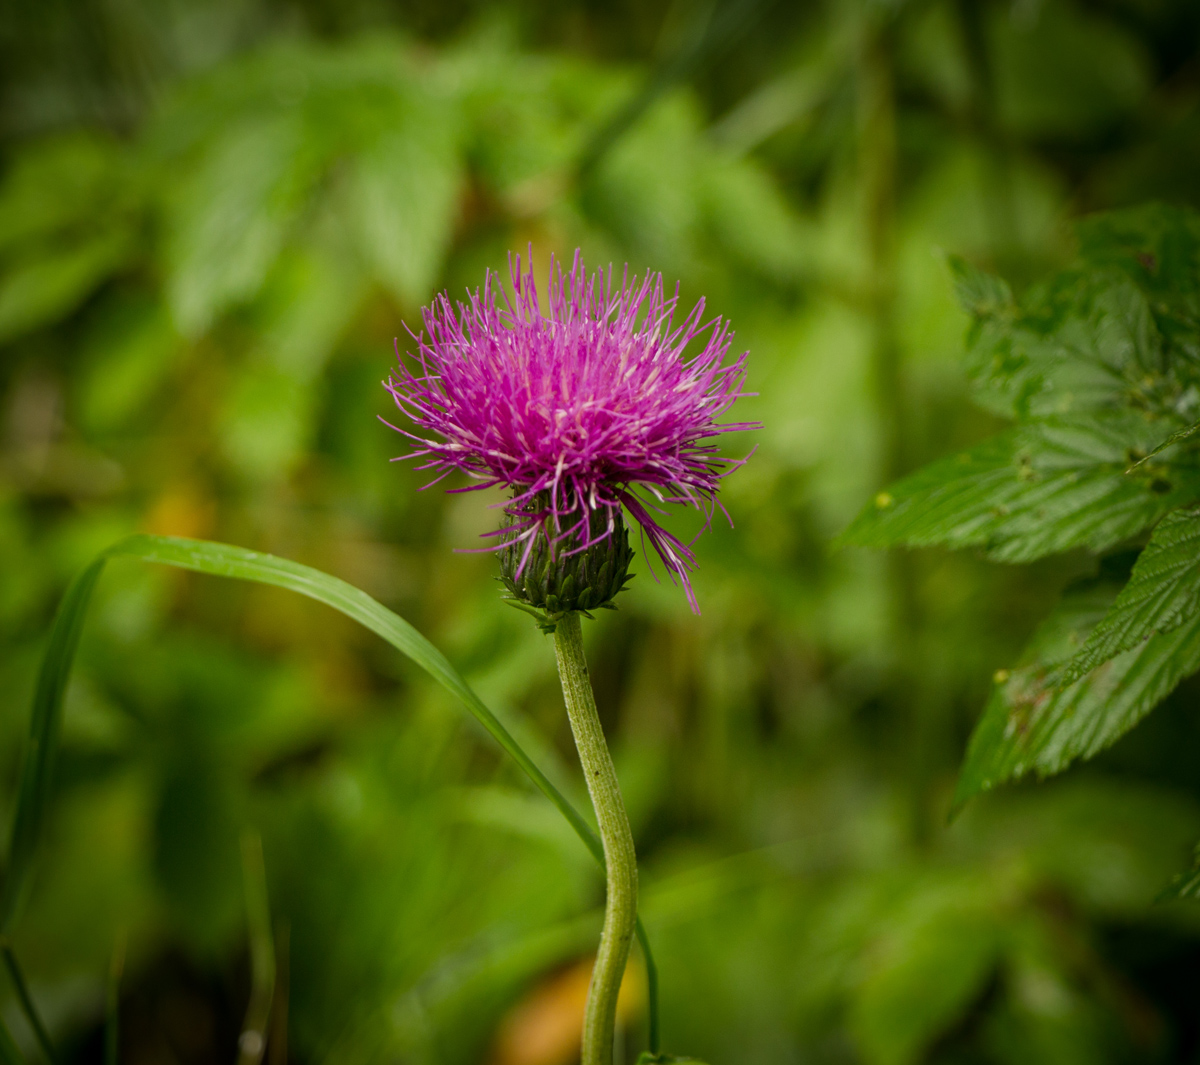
216,215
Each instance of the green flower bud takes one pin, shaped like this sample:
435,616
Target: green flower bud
556,581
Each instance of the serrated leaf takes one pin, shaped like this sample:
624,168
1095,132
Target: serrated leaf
1163,592
1034,490
979,293
1078,344
1032,725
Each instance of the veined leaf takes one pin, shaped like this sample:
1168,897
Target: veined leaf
1174,438
1032,491
1077,345
225,560
1032,723
1163,592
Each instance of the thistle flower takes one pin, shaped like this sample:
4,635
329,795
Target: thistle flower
580,413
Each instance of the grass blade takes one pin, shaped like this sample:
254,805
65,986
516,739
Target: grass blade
38,762
26,1000
237,563
9,1054
253,1039
112,1003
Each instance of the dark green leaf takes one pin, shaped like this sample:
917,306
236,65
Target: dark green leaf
1163,593
32,1015
1156,246
48,287
9,1054
1080,344
1032,491
1031,724
37,764
1185,885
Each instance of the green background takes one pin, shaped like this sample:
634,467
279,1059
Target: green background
214,219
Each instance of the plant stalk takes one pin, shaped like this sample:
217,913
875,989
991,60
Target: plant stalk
620,861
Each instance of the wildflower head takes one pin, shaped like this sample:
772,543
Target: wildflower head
591,408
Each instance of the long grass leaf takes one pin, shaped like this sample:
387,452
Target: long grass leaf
237,563
27,1004
262,952
38,762
9,1054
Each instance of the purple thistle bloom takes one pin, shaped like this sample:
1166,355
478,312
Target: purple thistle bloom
583,408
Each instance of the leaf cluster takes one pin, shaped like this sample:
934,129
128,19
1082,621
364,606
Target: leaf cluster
1099,369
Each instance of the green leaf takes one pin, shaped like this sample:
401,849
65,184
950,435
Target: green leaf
406,203
33,789
9,1054
1081,343
1032,724
1034,490
232,214
1175,438
224,560
980,294
932,960
63,183
50,286
1163,592
1186,885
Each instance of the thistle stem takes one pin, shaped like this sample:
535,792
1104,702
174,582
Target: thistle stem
620,861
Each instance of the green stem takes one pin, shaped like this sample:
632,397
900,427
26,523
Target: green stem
620,910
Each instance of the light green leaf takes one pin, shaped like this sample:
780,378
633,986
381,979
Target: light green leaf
1032,491
229,220
127,354
1176,437
1163,593
1033,725
751,219
267,421
406,189
933,958
62,183
49,287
